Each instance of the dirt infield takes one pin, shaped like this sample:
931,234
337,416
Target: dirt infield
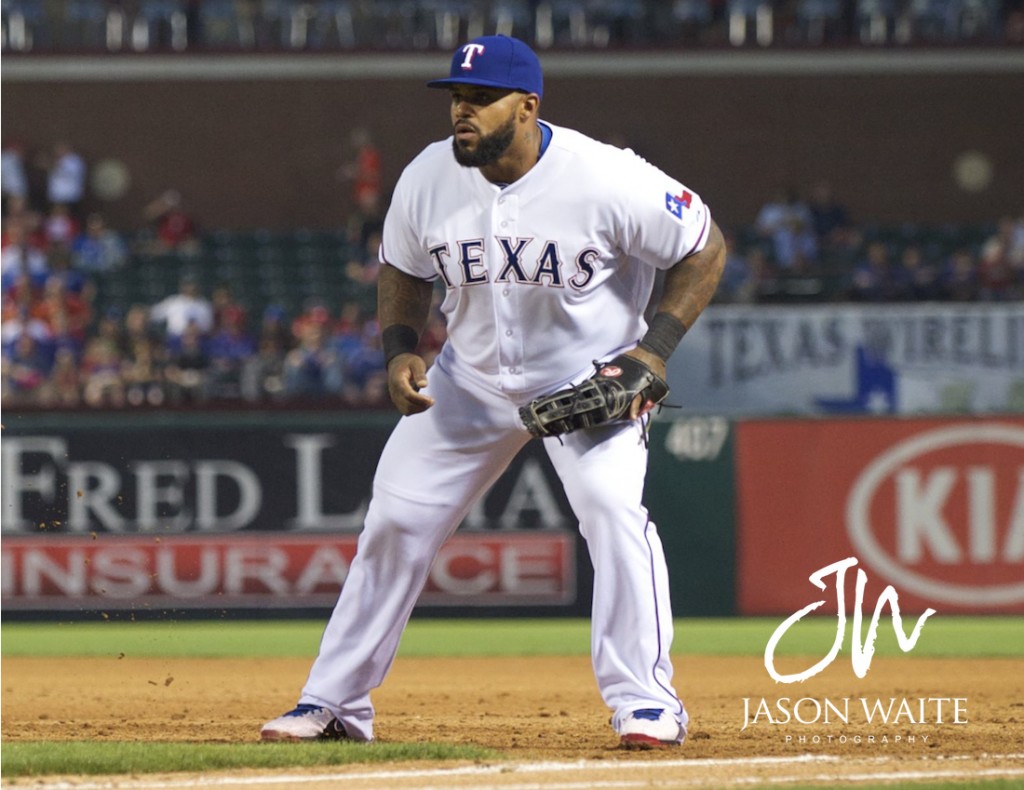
549,710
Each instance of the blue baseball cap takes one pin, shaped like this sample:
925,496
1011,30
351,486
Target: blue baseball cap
495,62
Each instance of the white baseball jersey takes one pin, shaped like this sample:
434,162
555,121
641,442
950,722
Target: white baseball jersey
551,272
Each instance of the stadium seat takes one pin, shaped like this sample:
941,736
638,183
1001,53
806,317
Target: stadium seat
742,12
334,21
22,25
979,19
560,22
84,24
615,22
392,24
511,18
158,22
819,20
223,28
691,15
879,22
935,19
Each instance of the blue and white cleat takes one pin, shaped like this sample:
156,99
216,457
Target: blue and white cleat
304,723
651,728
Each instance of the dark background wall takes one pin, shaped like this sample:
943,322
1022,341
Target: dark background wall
265,153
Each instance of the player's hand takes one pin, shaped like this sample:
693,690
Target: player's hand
657,366
407,375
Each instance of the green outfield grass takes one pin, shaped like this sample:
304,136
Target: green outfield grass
941,637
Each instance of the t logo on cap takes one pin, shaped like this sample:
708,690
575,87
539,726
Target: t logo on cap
495,62
471,50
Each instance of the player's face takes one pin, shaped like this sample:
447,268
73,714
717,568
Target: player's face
483,123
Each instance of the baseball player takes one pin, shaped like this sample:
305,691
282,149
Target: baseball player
547,244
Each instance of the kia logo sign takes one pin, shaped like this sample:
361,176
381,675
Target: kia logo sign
941,514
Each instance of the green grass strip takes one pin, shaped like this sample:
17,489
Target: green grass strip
38,758
966,637
941,637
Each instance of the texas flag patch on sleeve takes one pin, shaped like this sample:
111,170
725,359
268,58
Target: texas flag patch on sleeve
676,203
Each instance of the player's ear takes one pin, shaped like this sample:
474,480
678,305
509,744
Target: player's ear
529,106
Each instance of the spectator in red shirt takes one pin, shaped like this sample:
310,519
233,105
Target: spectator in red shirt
63,312
173,228
364,168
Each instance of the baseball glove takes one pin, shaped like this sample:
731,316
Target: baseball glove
603,398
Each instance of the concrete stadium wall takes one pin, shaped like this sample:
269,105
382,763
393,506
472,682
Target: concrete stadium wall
262,148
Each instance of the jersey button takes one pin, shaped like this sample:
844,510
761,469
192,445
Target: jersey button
508,333
505,292
504,224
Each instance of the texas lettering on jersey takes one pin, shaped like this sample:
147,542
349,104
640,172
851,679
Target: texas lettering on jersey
550,272
544,267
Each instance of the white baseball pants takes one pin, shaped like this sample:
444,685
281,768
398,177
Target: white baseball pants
435,466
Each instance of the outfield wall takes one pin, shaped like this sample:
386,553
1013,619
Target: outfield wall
258,513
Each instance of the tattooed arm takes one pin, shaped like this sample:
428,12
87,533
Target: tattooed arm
403,305
690,284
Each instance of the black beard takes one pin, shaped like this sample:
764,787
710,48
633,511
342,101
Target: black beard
489,149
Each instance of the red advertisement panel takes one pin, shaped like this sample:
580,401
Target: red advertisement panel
118,573
934,508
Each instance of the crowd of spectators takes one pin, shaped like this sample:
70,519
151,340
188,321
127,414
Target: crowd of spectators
287,25
66,345
809,249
